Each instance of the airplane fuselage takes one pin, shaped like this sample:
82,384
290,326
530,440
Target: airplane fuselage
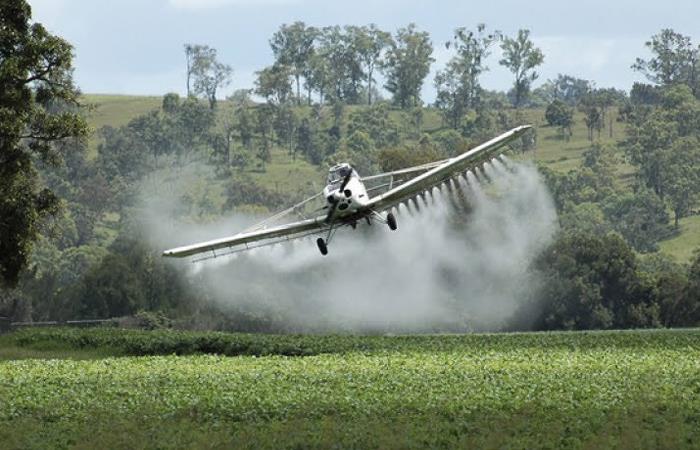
349,199
345,192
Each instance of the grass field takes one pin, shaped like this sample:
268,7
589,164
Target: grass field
85,389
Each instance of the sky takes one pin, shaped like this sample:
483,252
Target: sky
136,46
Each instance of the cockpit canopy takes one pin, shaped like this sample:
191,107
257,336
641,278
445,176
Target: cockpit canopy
337,173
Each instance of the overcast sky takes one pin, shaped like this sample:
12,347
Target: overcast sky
136,46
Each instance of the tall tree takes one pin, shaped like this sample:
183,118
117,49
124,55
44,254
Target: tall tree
407,63
293,46
192,52
681,169
521,57
674,60
369,42
318,78
340,63
458,84
273,83
38,107
652,135
208,73
570,89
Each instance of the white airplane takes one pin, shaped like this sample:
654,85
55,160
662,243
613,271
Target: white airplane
347,201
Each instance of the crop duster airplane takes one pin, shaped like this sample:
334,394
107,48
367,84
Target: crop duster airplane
348,201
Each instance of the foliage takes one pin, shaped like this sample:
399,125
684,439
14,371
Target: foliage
406,64
567,88
521,57
208,73
458,88
640,217
273,83
663,143
242,191
674,62
590,282
38,107
369,42
395,158
576,390
376,122
560,115
293,47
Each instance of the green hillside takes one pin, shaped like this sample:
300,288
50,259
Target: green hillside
283,173
115,111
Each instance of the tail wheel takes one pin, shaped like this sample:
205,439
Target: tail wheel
391,221
322,246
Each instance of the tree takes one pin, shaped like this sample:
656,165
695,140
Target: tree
690,312
318,77
570,89
560,115
591,282
674,60
192,125
521,57
244,125
681,168
640,217
338,69
38,107
652,133
273,83
209,74
374,121
306,141
286,124
458,87
264,119
369,42
407,63
192,52
607,98
358,150
293,46
592,109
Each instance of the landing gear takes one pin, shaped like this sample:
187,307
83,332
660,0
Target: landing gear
391,221
322,246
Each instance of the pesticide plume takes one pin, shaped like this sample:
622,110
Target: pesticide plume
458,262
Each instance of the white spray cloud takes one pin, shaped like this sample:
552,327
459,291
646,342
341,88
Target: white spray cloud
459,261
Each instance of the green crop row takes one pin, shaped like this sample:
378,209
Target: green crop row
168,342
632,389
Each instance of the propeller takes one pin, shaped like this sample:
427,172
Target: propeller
334,201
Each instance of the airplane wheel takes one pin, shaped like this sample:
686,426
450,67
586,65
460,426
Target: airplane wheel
322,246
391,221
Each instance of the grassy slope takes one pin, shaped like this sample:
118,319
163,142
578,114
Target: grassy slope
115,111
633,389
284,174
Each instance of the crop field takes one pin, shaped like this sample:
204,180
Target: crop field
108,388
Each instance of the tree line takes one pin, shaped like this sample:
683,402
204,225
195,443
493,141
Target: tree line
339,64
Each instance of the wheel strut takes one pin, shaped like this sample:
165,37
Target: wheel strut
322,246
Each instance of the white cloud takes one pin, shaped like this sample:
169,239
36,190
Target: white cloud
209,4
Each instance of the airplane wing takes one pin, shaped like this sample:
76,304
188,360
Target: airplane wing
430,174
444,170
290,230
